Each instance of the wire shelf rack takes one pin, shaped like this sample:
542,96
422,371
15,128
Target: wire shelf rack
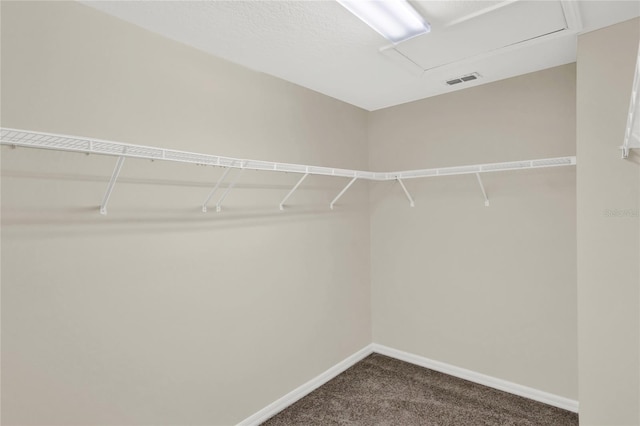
51,141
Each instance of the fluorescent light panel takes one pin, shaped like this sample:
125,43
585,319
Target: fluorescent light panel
396,20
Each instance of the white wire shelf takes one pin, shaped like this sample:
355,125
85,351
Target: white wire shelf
32,139
483,168
632,131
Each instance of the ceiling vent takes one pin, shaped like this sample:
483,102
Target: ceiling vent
463,79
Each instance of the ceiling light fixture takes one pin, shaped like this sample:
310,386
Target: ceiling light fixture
396,20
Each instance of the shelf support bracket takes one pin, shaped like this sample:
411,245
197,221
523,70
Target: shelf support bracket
625,151
632,131
229,188
486,200
292,190
215,188
343,191
112,183
404,188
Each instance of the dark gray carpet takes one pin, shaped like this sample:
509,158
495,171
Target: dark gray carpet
384,391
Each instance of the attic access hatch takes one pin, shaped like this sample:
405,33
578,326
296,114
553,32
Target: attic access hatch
513,24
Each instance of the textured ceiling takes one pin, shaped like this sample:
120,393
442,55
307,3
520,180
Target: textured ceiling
321,46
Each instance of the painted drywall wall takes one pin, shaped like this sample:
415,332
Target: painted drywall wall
490,289
608,230
157,313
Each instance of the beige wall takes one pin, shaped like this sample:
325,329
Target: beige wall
157,313
160,314
608,244
490,289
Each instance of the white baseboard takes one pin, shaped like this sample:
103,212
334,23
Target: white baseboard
472,376
482,379
296,394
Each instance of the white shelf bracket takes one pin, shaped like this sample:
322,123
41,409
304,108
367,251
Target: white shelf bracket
215,188
486,200
342,192
292,190
632,131
229,188
404,188
112,183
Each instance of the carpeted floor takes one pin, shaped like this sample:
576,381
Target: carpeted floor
384,391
